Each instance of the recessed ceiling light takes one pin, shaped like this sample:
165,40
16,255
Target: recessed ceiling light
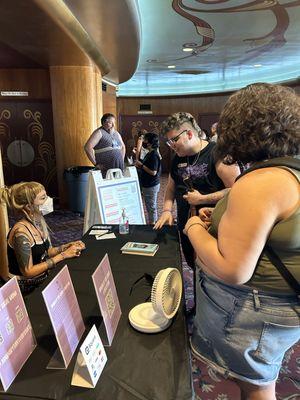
171,66
187,49
257,65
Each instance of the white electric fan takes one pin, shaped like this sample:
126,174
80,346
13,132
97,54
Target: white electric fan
156,316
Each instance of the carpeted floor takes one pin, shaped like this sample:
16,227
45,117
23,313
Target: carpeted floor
67,226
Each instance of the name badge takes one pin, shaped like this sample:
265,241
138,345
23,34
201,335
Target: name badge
182,165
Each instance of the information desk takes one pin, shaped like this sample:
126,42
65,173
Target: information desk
140,366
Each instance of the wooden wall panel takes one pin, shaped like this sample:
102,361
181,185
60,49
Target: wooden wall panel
3,230
34,81
75,113
196,105
109,100
168,105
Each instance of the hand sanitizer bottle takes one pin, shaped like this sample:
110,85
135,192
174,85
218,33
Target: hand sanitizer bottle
124,223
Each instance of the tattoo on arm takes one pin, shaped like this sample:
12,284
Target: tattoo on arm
22,249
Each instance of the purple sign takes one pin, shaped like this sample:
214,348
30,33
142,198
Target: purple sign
107,297
17,339
64,313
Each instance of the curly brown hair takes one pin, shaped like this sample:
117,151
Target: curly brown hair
259,122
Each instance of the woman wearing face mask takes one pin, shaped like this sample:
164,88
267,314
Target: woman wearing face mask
29,251
150,171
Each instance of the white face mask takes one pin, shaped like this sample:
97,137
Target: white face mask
47,207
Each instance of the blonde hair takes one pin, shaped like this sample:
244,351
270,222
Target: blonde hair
21,196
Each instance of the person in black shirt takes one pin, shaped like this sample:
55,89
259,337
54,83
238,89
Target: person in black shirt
194,162
29,251
149,174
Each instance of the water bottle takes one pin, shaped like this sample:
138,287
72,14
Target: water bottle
124,223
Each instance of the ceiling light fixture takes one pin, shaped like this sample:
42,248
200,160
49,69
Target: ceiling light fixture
171,66
257,65
187,49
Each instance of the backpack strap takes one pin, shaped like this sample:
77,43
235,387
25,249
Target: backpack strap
289,162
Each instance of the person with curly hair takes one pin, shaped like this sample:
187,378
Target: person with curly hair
29,251
247,312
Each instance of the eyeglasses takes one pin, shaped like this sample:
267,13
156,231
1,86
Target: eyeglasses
172,141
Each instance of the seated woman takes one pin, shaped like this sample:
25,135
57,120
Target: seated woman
149,174
29,251
247,314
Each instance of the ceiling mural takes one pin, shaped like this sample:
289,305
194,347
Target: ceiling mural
200,46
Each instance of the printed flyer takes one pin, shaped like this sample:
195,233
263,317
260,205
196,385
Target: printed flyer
64,313
107,297
17,339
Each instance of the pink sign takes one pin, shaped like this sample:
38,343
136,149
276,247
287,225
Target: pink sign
107,297
64,313
17,339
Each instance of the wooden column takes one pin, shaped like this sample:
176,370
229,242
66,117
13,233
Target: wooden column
3,230
77,109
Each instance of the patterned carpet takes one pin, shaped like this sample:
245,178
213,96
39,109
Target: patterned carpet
66,226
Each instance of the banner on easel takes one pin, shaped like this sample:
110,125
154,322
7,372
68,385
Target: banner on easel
107,197
17,340
65,316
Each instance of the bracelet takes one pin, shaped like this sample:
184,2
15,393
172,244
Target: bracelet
166,210
50,263
194,223
62,254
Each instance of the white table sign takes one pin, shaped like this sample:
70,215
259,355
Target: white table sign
90,362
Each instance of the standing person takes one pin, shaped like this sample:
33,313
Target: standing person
150,168
247,313
194,161
105,147
29,251
214,133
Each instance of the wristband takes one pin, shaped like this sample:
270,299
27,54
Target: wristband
50,263
63,255
194,223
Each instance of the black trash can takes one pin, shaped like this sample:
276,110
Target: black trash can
76,179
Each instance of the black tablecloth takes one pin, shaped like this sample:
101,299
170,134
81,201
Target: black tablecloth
140,366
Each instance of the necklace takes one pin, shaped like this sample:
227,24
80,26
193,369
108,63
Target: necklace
196,158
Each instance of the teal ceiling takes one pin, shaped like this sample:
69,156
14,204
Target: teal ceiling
233,43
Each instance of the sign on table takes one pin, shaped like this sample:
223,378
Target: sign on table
107,297
17,339
65,316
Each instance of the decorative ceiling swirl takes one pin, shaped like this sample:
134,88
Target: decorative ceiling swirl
259,45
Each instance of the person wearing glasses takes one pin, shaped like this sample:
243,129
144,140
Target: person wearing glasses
194,162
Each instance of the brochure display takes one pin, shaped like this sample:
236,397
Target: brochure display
65,316
107,197
17,339
107,297
90,361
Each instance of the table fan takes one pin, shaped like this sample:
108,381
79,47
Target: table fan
156,316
